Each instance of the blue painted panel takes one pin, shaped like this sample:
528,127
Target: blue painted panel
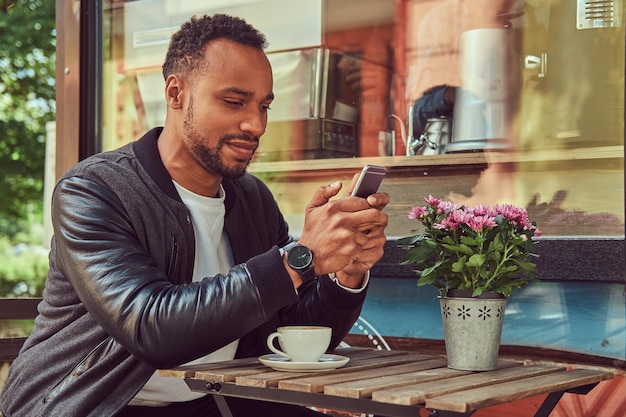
574,316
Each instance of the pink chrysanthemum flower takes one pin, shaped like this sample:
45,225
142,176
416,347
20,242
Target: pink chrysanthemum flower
432,201
418,212
446,224
460,216
478,223
445,206
481,210
511,212
453,220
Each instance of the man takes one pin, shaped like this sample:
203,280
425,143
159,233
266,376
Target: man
437,101
166,251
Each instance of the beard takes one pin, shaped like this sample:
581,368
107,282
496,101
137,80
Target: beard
210,158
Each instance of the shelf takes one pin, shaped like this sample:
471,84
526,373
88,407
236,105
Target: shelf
447,160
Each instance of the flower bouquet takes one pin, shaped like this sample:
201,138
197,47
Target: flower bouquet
475,248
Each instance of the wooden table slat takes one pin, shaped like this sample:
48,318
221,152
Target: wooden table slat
229,370
359,358
359,353
318,382
358,362
231,375
268,379
418,393
189,371
364,388
383,355
473,399
271,378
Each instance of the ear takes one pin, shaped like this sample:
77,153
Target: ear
173,91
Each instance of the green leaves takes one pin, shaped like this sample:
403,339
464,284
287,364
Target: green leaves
477,260
419,250
460,248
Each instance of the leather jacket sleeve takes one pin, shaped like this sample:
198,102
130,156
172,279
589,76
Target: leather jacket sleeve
105,249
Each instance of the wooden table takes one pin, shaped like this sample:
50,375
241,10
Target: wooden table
390,383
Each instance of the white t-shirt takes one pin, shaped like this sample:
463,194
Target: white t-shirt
213,256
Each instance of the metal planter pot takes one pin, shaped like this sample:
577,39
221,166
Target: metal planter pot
472,329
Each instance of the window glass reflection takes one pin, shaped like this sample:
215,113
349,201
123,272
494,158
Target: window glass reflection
475,101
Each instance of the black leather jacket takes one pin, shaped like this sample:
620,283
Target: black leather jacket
119,302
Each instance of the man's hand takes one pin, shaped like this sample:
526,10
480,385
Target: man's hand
346,235
371,241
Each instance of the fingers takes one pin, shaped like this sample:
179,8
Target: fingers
355,178
368,246
374,238
352,204
378,201
364,259
360,238
369,219
323,194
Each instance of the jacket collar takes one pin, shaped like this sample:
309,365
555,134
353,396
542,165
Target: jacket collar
148,155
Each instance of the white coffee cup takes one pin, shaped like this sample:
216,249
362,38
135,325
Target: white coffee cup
301,343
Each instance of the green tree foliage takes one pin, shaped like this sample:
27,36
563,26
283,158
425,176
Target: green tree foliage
23,269
27,102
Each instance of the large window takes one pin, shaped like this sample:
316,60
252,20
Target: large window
475,101
535,99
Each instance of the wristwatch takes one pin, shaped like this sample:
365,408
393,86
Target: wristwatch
300,258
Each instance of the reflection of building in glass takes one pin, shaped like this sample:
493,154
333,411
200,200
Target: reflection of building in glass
561,121
535,87
578,100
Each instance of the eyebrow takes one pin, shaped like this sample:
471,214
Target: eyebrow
245,93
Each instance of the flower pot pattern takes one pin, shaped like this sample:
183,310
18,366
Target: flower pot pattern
472,329
464,312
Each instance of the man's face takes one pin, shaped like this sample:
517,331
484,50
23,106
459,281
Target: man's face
227,108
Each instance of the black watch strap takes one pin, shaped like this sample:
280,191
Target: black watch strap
300,258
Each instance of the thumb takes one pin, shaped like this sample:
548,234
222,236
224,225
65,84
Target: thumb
324,193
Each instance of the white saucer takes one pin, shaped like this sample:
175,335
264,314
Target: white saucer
281,363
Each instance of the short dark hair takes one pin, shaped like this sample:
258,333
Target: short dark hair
186,50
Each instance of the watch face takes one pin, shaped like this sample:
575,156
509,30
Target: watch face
299,257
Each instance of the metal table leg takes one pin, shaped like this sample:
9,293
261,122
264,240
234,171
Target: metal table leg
549,403
222,405
553,398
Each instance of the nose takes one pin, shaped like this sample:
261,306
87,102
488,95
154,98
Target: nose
254,123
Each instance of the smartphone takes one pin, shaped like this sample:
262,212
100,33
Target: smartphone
369,180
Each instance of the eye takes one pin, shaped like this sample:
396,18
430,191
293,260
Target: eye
234,103
265,107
